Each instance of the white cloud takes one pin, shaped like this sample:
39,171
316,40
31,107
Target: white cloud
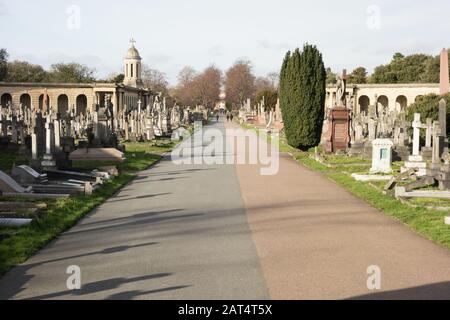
216,50
3,9
174,33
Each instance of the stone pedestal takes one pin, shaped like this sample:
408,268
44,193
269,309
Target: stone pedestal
427,153
416,163
48,162
339,130
356,149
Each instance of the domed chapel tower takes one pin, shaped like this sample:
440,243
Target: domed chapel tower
133,67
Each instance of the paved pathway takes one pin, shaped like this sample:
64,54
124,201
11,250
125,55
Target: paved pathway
316,241
176,232
215,232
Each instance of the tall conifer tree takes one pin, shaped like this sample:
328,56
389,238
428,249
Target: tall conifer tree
302,96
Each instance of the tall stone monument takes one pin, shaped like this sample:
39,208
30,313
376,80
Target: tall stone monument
444,78
339,119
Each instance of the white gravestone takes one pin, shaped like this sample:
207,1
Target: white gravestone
381,155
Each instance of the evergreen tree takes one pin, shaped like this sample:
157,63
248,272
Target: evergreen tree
302,96
3,64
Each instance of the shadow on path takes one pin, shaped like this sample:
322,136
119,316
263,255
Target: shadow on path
99,286
129,295
436,291
136,216
137,223
19,273
138,197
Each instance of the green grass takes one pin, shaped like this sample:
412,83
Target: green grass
427,222
10,157
18,244
344,160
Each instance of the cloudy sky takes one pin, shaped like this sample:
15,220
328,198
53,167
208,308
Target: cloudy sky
173,33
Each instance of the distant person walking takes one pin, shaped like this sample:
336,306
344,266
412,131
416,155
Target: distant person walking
228,117
217,118
231,117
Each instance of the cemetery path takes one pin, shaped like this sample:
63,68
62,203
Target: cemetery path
176,232
316,240
214,232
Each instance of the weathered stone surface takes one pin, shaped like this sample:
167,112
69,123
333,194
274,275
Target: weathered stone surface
381,155
97,154
9,185
111,170
444,85
370,177
420,183
400,192
447,221
25,175
21,209
420,167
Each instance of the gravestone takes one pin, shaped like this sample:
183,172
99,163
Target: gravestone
381,156
48,162
427,150
97,154
9,185
338,136
415,161
25,175
443,124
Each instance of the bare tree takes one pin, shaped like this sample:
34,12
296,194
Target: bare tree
154,80
207,86
274,78
263,84
239,82
186,75
203,88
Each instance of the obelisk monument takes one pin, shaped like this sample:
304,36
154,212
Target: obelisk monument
444,78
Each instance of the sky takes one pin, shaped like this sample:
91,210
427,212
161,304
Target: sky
171,34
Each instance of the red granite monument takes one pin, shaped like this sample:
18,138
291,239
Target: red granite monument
444,79
339,120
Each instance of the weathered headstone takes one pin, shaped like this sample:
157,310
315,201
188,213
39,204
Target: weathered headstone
381,155
27,176
9,185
